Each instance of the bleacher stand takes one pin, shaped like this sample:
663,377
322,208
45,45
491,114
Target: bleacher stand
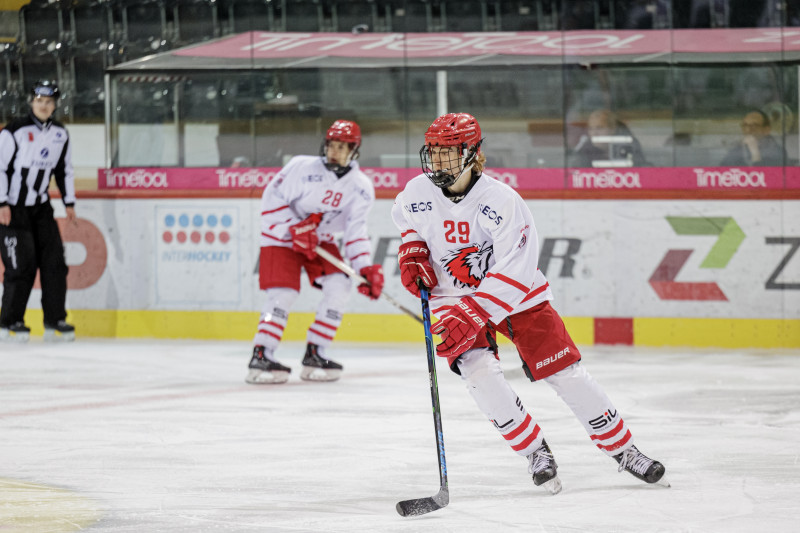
464,15
239,16
194,21
42,26
144,28
302,16
355,16
411,16
73,41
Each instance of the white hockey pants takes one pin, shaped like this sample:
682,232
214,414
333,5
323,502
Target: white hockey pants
484,379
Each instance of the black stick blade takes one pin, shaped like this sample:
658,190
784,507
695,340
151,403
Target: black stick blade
422,506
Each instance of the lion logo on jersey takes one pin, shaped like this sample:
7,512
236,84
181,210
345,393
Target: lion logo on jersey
468,266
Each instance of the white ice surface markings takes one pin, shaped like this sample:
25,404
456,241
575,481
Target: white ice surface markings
166,436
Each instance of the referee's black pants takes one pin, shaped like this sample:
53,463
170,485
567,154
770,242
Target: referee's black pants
32,242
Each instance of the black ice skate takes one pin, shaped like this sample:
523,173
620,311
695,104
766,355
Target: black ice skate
265,371
16,332
59,332
641,466
318,368
544,469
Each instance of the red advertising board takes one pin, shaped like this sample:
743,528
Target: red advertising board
523,179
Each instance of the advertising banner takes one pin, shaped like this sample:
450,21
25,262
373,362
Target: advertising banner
521,179
646,258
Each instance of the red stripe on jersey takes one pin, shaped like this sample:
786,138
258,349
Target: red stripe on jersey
267,235
354,241
275,210
617,445
535,292
495,300
359,255
605,436
506,279
520,428
441,309
527,442
409,232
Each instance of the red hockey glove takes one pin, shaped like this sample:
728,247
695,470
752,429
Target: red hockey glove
374,285
414,264
304,235
459,327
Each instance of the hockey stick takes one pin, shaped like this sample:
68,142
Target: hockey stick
347,269
441,498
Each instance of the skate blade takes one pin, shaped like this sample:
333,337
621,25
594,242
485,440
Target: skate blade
15,337
52,335
313,373
553,486
663,482
260,377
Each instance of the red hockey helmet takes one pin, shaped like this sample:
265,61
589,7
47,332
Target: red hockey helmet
454,129
345,131
459,130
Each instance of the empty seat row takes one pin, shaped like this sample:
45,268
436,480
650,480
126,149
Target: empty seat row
150,25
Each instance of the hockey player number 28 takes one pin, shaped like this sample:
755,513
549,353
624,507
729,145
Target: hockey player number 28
333,199
451,227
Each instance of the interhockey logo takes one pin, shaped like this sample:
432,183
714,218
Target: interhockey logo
468,266
603,420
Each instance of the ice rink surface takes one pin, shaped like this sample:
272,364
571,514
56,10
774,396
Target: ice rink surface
150,436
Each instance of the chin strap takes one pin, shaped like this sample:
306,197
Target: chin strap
457,197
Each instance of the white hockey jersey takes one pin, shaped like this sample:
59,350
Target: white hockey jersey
484,246
304,186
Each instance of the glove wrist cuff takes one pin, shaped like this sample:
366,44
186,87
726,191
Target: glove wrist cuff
473,310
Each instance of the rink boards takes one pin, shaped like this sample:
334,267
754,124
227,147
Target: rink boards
646,272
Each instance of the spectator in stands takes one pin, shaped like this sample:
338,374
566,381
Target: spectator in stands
757,147
644,14
588,151
240,161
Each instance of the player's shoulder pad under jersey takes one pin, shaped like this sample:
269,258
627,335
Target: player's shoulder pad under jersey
497,201
419,196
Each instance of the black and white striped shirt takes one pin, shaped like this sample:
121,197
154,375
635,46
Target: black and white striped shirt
30,151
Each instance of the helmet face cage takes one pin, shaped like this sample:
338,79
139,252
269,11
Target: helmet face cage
456,130
451,163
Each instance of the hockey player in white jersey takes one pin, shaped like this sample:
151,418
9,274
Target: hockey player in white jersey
310,202
472,241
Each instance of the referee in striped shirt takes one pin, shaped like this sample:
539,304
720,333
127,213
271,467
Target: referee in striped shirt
32,149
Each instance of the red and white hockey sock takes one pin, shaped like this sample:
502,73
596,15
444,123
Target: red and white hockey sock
335,293
593,408
274,316
494,396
